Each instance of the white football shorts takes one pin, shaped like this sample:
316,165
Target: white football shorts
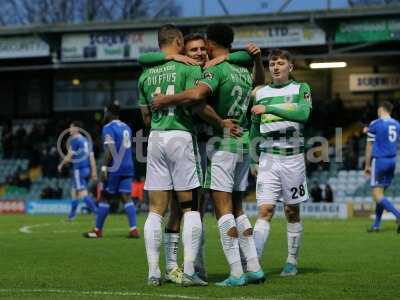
172,161
227,171
281,177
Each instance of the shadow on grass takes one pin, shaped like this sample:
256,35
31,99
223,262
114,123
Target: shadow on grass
217,277
277,271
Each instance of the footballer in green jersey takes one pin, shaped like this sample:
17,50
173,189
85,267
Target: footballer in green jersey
229,86
195,54
172,162
280,110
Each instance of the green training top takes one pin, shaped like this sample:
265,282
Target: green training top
168,79
280,129
231,87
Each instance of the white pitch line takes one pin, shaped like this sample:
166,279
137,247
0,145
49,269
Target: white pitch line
93,293
128,294
27,229
70,231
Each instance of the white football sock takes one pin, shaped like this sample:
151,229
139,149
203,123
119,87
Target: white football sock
294,231
260,235
243,260
171,243
230,245
246,243
199,262
152,238
191,237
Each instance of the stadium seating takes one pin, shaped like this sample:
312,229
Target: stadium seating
9,167
352,185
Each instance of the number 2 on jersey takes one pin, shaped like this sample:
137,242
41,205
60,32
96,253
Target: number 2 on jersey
241,103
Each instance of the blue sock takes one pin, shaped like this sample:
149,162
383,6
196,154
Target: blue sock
390,207
90,203
102,213
130,210
378,215
74,207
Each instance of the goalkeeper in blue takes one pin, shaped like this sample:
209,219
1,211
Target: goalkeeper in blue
117,171
380,161
83,168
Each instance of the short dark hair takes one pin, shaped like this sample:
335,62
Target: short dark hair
77,124
221,34
167,33
274,54
387,106
193,37
114,109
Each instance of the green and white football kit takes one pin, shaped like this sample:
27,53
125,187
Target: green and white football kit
228,165
281,172
172,153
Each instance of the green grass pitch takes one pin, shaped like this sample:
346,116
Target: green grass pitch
338,260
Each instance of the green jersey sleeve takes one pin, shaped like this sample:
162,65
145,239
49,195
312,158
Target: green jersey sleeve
300,112
142,96
152,59
241,58
212,77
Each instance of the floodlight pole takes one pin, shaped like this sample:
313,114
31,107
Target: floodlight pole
282,8
224,8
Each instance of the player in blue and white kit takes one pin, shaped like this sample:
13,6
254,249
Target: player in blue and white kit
117,171
81,156
380,160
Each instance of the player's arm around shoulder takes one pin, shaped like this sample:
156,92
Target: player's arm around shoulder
151,59
192,95
144,102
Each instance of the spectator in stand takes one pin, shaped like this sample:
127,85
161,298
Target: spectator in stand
7,138
328,193
51,193
316,192
138,191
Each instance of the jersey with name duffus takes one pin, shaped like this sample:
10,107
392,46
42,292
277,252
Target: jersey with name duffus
231,87
168,79
276,131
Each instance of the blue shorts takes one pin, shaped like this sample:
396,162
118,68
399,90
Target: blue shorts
80,179
118,184
382,171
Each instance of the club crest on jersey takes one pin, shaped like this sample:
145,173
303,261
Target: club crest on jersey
208,75
307,96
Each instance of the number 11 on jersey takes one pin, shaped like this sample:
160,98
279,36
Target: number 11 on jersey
170,91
